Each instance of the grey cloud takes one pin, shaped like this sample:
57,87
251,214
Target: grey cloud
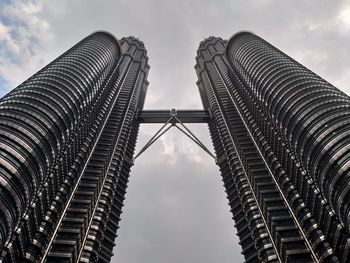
175,208
177,213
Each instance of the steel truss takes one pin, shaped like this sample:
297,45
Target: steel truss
174,117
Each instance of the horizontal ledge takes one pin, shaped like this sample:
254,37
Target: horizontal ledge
162,116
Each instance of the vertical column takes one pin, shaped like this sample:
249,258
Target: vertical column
86,230
46,128
302,117
281,231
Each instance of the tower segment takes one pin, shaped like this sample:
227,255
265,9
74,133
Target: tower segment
280,132
67,140
281,138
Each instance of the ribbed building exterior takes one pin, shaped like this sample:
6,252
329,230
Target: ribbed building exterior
282,139
281,135
67,136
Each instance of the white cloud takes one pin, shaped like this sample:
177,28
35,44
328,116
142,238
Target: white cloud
314,32
344,80
24,36
168,144
313,26
30,8
6,39
344,18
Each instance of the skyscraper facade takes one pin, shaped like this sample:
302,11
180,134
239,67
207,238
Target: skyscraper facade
281,135
67,136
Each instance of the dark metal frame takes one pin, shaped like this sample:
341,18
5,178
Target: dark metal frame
174,117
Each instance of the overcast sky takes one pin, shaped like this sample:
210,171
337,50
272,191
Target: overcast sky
175,209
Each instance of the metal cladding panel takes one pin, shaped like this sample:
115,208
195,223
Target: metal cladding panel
247,83
67,136
303,120
104,223
313,114
37,117
38,122
254,238
99,194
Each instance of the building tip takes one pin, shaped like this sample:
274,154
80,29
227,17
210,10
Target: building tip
240,33
236,36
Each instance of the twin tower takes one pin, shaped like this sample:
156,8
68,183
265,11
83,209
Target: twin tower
281,136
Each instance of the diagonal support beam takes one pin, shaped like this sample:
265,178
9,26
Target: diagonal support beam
154,138
195,139
172,117
151,141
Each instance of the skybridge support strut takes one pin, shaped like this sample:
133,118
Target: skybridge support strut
171,118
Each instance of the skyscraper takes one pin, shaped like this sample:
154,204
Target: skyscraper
67,136
281,135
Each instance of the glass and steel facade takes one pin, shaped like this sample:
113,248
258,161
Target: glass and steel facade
281,135
67,136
